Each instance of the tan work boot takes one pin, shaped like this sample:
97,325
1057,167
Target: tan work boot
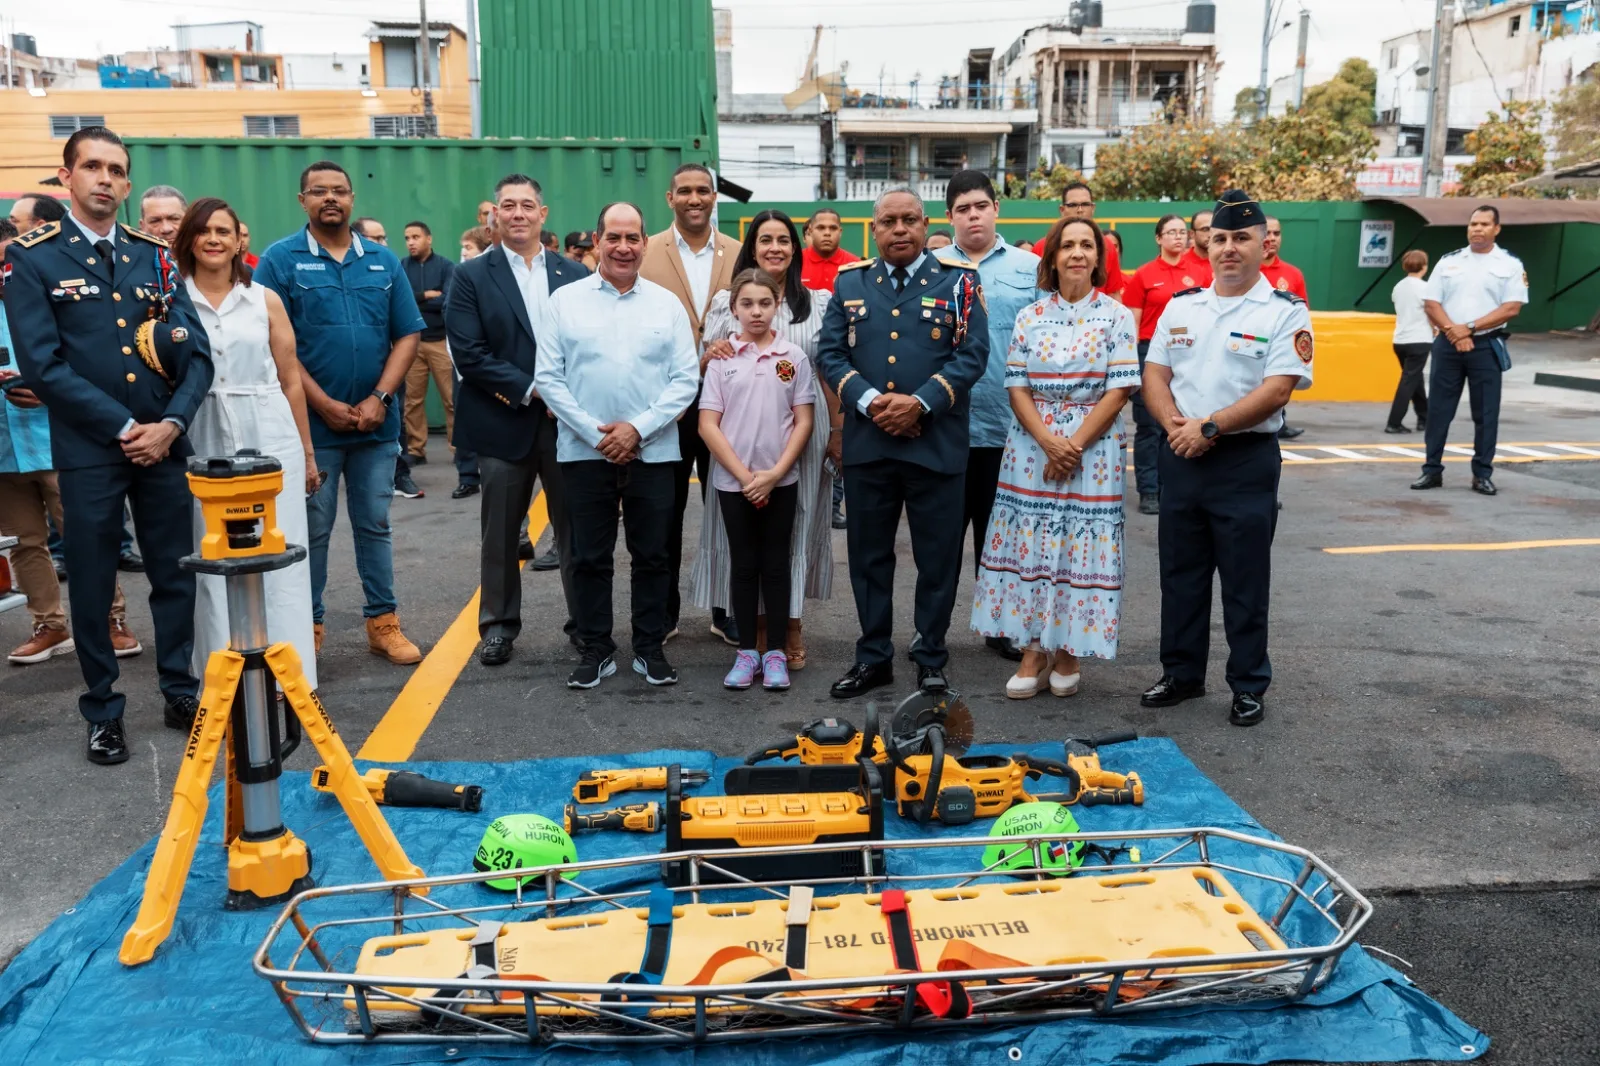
44,643
384,638
316,638
123,643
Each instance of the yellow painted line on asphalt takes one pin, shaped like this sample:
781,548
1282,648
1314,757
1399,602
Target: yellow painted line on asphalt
1467,458
395,736
1500,546
1514,452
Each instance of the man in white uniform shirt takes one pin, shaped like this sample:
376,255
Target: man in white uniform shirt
618,365
1222,364
1469,299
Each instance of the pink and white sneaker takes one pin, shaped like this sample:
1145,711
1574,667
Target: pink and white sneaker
745,668
774,671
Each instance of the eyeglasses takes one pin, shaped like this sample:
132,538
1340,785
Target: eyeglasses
318,192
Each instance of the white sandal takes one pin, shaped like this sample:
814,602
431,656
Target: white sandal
1025,688
1063,684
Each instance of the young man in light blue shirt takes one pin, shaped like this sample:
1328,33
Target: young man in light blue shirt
1010,278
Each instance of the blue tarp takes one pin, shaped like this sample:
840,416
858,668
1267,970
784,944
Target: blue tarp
67,1000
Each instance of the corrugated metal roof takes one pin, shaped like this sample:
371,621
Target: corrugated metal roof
1514,211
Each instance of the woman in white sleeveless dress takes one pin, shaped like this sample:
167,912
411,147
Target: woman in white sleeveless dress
256,401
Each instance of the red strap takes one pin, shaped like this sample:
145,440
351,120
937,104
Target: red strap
942,999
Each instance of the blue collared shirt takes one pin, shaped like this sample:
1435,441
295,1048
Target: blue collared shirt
24,432
1010,282
607,356
347,317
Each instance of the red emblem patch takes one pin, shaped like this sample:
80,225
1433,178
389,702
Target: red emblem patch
785,369
1302,345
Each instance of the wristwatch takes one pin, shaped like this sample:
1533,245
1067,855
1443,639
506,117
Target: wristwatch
385,398
1209,430
1472,327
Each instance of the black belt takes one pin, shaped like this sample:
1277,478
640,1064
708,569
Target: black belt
1243,438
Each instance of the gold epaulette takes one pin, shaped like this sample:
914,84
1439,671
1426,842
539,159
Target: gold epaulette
964,264
39,235
142,235
858,264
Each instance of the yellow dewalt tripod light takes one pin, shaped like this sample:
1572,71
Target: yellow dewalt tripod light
238,717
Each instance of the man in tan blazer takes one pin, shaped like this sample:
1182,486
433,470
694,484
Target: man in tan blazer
694,262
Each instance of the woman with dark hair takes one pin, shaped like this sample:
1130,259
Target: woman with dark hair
256,401
1051,575
772,244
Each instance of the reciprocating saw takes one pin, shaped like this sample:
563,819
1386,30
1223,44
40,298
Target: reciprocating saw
597,786
1091,785
402,788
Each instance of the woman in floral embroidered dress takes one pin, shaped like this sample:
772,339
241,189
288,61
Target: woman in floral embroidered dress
1051,575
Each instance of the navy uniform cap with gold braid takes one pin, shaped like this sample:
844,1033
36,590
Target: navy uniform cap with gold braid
163,347
1236,209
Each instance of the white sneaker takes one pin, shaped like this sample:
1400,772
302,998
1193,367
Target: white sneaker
1064,684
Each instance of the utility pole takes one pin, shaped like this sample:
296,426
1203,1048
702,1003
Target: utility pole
1437,127
473,86
426,45
1266,46
1300,59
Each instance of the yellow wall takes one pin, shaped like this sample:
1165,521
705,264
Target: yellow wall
1354,357
452,72
31,154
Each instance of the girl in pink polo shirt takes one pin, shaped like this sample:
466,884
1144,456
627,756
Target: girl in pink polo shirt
755,417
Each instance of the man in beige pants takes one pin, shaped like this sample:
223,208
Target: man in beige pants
429,275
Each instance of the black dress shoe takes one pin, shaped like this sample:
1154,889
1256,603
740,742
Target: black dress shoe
1005,646
863,677
1428,481
107,744
496,651
524,547
461,492
932,679
179,712
1288,432
838,519
1483,486
61,569
548,561
1169,692
129,562
1396,429
1149,503
1248,709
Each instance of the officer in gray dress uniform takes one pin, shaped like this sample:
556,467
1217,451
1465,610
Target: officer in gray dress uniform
903,341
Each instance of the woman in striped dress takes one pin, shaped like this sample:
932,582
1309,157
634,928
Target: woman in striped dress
772,244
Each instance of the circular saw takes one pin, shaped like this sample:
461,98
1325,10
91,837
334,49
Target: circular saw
910,721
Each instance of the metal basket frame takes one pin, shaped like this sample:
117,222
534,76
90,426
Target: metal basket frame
716,1013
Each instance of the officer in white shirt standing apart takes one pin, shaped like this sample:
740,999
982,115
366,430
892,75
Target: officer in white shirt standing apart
1472,294
1222,364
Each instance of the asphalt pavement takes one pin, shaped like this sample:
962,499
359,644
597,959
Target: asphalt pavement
1433,730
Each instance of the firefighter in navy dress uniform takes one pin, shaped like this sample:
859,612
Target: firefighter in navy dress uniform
903,341
107,338
1222,365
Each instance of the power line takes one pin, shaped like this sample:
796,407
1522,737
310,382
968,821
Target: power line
1493,86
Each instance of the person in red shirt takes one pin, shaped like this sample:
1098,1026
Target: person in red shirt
822,257
1285,277
1197,258
1077,201
1146,295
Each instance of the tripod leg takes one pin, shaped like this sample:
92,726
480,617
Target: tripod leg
169,868
344,780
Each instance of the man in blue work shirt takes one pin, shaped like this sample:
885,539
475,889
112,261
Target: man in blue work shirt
355,326
1010,282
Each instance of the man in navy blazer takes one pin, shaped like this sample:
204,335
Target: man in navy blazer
493,317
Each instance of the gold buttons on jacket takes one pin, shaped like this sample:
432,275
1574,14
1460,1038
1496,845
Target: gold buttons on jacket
117,296
894,336
891,359
895,312
122,323
891,386
126,350
132,378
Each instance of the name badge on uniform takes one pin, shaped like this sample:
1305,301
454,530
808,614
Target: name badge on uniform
311,266
374,266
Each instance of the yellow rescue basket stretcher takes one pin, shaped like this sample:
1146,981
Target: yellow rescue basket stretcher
562,961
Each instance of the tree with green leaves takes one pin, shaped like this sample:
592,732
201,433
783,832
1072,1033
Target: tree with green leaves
1348,98
1575,124
1506,149
1181,160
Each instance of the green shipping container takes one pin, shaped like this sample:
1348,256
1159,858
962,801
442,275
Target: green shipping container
397,181
599,68
1322,239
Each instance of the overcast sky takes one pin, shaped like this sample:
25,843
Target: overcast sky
900,38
